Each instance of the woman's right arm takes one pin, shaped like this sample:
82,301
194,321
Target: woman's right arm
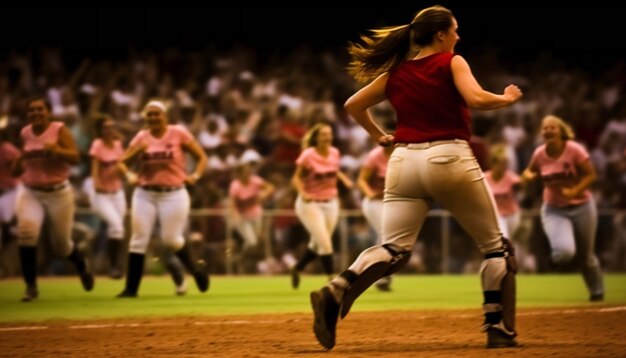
297,183
362,182
473,94
366,97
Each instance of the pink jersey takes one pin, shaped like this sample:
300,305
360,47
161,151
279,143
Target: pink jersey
503,192
376,161
41,169
163,161
108,158
8,153
246,197
320,179
561,173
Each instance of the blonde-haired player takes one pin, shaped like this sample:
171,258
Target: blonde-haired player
160,193
317,206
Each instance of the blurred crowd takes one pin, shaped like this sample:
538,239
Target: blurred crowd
247,108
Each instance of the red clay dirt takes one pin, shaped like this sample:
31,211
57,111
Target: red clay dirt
593,331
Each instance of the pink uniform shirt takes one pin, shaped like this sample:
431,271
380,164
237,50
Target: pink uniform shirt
503,192
163,161
376,161
320,179
559,173
246,197
41,168
8,153
107,158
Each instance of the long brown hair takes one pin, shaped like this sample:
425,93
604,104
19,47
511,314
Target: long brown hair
387,47
310,138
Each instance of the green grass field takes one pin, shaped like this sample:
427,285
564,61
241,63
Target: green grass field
63,298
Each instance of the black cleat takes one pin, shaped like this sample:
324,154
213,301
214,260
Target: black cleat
30,294
295,278
325,311
87,280
126,294
202,280
599,297
384,286
499,337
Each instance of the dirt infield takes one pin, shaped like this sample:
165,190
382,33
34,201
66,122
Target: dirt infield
594,331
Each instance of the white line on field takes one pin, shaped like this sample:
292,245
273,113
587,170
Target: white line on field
245,322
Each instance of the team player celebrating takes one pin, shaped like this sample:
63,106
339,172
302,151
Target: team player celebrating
44,168
317,206
568,214
160,194
109,200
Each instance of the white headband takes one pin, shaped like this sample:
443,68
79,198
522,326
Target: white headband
157,104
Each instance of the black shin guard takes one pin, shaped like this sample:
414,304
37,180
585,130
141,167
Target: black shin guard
306,259
28,261
327,263
135,272
358,283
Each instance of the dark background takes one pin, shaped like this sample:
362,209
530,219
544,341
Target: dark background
588,35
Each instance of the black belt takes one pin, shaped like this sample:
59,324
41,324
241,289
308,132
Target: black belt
317,201
99,191
161,188
49,188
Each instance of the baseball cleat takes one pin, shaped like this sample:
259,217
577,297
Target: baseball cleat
202,280
87,280
499,337
181,289
596,297
295,278
30,294
126,294
326,312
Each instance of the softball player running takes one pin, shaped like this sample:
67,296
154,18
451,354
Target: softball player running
160,193
246,193
109,200
569,215
372,182
430,87
48,150
317,206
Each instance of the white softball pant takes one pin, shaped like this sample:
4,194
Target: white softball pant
446,172
7,206
170,208
509,224
320,220
32,206
373,212
249,229
112,209
573,229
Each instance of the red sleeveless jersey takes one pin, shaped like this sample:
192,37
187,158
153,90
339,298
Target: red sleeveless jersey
427,103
